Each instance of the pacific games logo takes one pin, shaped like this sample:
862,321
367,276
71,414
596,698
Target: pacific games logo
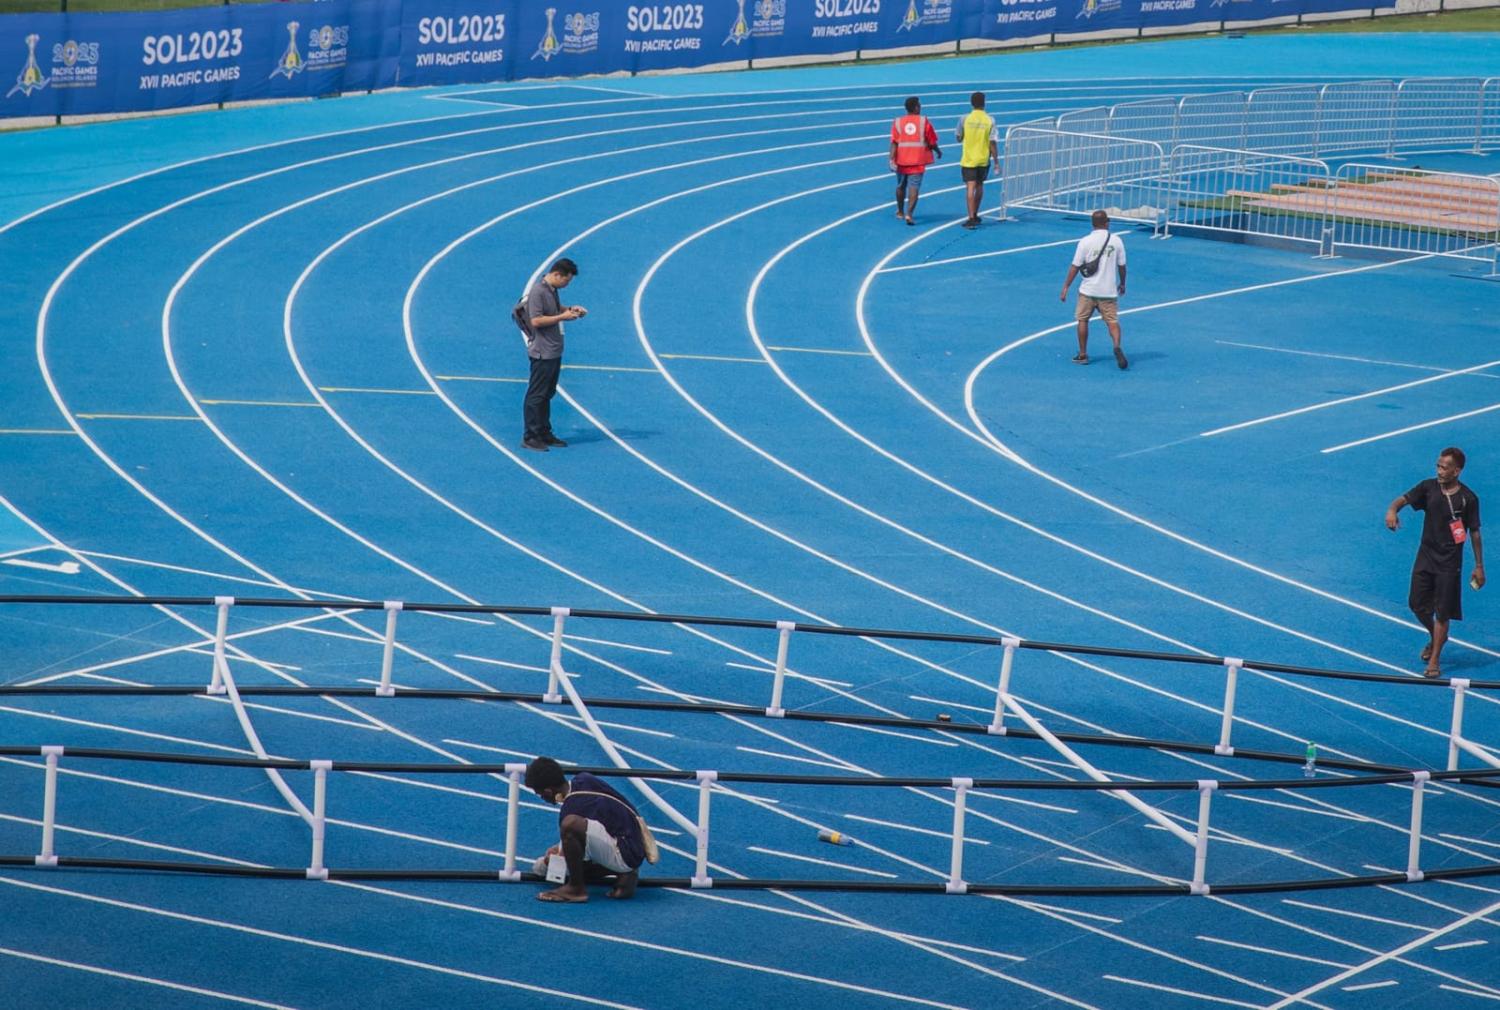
580,35
31,77
290,63
1092,7
931,12
768,18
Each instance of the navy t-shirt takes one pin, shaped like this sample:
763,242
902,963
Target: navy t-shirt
612,810
1438,552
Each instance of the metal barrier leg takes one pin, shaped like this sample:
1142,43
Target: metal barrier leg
784,629
554,665
388,657
1413,871
1007,660
513,771
1456,728
1206,789
221,629
316,870
956,883
706,779
48,857
1231,677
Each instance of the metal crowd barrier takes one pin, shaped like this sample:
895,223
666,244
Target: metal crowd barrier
1006,706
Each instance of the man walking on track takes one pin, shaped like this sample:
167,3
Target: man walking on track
914,143
976,132
1451,517
1100,258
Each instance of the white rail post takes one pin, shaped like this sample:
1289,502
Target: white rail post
216,682
1206,788
1413,873
316,870
1007,660
388,657
1456,730
956,883
706,780
48,856
784,631
1232,668
513,771
554,666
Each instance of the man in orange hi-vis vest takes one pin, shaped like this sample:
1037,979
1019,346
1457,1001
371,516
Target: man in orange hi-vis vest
914,143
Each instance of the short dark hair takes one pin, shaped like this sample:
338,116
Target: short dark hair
977,99
544,773
913,104
566,266
1099,219
1454,453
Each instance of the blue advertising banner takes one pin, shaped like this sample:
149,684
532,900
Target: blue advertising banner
77,64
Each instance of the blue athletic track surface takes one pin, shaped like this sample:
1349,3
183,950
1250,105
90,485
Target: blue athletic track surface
266,353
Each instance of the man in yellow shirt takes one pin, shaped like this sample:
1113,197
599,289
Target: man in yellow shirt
976,132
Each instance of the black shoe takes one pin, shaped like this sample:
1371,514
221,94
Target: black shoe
551,439
534,444
1121,360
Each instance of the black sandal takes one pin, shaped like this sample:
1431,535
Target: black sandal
1080,359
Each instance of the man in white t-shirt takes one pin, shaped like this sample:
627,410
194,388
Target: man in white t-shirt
1100,258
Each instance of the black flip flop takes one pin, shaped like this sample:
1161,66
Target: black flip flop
1080,359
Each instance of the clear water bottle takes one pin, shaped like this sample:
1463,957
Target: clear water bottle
1310,766
834,837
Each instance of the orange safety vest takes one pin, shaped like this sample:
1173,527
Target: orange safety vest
911,147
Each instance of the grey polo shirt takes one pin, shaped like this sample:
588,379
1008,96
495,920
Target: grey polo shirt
546,341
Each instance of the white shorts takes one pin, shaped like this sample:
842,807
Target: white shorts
601,849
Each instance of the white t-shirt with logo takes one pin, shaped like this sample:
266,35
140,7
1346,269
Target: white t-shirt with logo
1105,283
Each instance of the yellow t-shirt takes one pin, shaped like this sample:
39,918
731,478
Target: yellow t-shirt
977,129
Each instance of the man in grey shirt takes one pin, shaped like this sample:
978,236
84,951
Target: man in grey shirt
546,315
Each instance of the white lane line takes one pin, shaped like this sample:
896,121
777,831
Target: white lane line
1380,959
840,766
503,662
1410,428
1339,357
223,576
974,256
350,723
619,645
1461,945
621,726
143,979
793,675
895,733
1325,404
707,357
820,862
337,948
168,738
1273,952
802,350
135,841
1369,985
1469,992
1200,997
1353,915
912,828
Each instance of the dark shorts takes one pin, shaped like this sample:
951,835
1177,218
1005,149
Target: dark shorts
1437,593
976,174
912,181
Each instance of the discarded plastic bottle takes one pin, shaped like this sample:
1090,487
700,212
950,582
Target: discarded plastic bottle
1310,766
834,837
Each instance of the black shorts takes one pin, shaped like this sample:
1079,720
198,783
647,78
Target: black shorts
1437,593
976,174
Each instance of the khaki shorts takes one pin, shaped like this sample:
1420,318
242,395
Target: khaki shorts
1108,309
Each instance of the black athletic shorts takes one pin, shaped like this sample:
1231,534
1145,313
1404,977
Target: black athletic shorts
977,174
1437,593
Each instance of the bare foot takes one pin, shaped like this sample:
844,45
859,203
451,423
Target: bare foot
625,886
565,894
1426,652
1432,673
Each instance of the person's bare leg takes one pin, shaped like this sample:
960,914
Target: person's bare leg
1083,338
1114,332
971,197
900,193
1426,622
1439,639
573,833
911,204
625,885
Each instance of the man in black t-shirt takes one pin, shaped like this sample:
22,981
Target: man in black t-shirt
598,829
1451,518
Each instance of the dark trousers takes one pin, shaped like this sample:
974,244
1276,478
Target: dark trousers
539,393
